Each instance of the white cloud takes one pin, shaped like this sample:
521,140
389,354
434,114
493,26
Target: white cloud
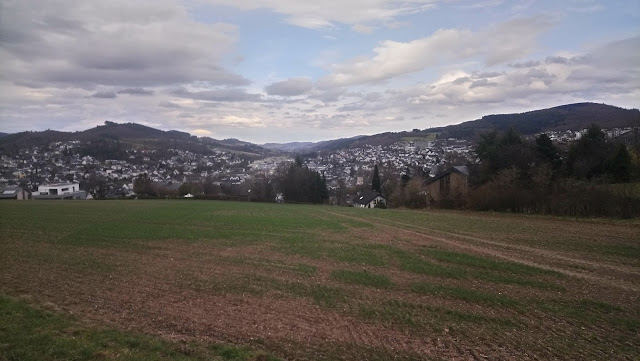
328,13
290,87
115,43
586,6
363,29
201,132
612,69
218,95
237,121
505,42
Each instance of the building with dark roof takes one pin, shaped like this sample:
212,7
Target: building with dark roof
454,182
369,199
17,193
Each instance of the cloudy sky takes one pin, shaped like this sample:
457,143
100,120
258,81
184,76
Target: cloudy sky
308,70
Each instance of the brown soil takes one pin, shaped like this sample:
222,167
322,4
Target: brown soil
525,255
151,290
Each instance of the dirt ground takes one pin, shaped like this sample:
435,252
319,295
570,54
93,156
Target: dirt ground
156,291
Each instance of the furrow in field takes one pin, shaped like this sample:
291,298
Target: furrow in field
512,246
500,254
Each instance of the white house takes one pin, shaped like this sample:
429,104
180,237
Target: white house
369,199
66,190
55,189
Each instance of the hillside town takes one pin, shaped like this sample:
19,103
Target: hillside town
61,162
231,172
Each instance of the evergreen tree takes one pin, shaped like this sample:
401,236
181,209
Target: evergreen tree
375,184
620,165
547,151
589,155
405,177
300,184
143,185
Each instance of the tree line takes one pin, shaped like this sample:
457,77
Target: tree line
591,177
294,181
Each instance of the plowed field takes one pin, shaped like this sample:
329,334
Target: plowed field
298,282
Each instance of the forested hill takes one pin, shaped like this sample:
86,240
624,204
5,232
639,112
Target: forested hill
565,117
128,133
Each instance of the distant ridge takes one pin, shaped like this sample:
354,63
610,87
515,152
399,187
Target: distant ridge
565,117
289,147
131,133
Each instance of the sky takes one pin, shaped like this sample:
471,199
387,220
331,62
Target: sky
297,70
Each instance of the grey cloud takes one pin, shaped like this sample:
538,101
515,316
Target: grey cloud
372,97
513,39
136,91
290,87
219,95
564,60
329,96
462,80
498,44
105,95
557,60
482,83
618,54
539,73
526,64
601,77
116,43
350,107
169,105
338,120
487,75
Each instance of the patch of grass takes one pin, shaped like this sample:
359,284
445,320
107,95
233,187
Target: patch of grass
258,285
205,239
28,333
230,284
359,254
397,312
327,296
495,271
419,316
631,251
508,279
584,310
310,247
363,278
465,259
464,294
411,262
589,312
302,269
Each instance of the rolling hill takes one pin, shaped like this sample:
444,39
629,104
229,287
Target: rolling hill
565,117
129,133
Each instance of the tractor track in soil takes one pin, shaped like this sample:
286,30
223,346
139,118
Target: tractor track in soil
506,252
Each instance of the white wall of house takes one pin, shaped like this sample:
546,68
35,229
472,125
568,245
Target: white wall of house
57,189
373,203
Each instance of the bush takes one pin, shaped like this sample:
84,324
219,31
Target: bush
567,198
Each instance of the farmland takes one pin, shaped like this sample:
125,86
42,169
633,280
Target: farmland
164,280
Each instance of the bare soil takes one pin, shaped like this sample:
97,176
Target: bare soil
151,290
